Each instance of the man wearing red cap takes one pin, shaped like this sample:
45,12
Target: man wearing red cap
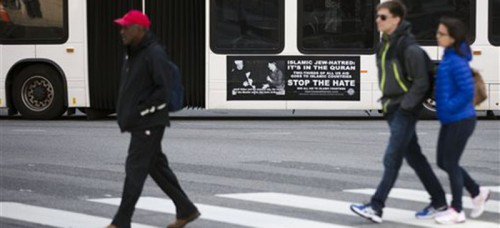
141,110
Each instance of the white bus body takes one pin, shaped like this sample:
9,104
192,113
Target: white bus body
486,59
70,57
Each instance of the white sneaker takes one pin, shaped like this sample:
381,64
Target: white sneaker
479,201
366,211
450,217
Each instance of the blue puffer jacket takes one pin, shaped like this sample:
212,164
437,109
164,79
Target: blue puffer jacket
455,86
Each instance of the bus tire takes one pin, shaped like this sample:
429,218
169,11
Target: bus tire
429,110
38,93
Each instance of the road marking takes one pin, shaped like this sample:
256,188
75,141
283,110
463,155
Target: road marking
52,217
494,188
341,207
226,215
423,196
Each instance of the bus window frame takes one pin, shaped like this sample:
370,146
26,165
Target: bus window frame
490,25
471,26
300,37
281,37
63,39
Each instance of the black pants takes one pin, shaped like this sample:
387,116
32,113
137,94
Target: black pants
451,144
145,157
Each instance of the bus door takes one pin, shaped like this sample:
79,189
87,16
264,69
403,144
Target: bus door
180,26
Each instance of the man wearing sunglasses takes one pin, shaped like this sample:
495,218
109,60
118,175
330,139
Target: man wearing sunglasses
404,82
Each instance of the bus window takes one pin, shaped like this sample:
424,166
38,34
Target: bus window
494,28
247,26
337,26
33,21
424,16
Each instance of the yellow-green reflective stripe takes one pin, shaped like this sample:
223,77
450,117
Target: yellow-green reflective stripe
384,54
385,105
396,74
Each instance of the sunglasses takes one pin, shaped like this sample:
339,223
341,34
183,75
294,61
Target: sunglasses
382,17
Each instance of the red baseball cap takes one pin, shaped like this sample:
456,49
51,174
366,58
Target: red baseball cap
134,17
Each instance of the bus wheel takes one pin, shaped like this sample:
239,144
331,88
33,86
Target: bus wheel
38,93
429,111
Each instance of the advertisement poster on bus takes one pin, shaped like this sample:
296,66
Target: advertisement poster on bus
293,78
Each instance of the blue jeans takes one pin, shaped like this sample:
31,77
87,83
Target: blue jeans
403,143
451,144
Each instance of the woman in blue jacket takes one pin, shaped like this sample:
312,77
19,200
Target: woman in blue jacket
455,109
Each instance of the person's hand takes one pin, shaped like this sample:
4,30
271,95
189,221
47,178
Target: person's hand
250,81
245,84
269,79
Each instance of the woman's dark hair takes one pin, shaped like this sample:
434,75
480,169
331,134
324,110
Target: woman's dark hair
456,30
395,7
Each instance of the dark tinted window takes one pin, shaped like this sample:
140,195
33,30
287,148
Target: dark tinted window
33,21
424,16
247,26
494,30
337,26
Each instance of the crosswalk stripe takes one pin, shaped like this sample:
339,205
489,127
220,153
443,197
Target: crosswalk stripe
494,188
423,196
226,215
341,207
52,217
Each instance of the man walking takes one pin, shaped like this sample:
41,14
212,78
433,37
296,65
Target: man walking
142,111
404,82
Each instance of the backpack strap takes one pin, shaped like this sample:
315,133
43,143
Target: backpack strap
401,45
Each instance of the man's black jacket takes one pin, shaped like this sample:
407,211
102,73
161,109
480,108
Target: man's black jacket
405,84
144,89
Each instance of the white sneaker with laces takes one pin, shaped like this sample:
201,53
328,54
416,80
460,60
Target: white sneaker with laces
450,217
366,211
479,201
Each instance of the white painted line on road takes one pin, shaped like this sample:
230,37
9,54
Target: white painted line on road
494,188
52,217
422,196
341,207
226,215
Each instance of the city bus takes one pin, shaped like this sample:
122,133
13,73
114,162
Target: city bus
57,56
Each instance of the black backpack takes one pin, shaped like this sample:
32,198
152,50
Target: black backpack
402,45
176,98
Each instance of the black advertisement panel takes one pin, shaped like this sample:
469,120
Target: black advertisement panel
293,78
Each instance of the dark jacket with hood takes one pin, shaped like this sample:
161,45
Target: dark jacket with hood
144,89
455,86
404,85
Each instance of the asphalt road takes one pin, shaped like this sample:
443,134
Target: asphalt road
242,173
